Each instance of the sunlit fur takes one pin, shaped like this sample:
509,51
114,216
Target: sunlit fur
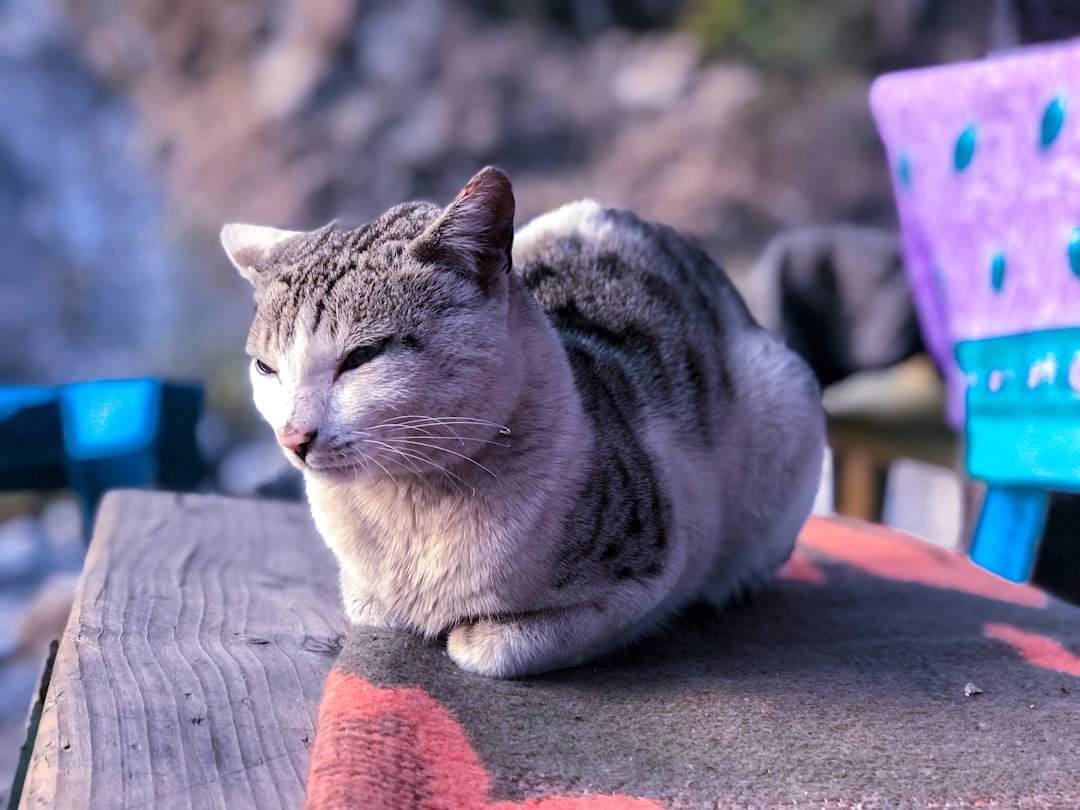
548,456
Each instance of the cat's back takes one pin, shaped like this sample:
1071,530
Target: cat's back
585,261
640,308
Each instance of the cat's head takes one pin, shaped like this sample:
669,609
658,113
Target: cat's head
380,350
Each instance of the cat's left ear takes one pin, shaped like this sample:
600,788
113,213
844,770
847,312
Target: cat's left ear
475,234
249,246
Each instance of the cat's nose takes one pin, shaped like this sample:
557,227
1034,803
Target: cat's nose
298,441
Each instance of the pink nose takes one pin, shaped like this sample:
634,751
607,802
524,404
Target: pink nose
298,441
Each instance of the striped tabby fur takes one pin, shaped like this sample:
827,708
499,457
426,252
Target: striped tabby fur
542,445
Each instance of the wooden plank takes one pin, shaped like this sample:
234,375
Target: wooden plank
190,673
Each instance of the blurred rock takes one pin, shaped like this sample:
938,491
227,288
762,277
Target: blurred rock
85,274
656,73
926,501
340,109
62,522
33,547
23,551
247,468
130,130
44,616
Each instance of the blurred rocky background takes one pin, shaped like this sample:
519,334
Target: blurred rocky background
130,130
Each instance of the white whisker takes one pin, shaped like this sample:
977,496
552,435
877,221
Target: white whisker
429,436
412,457
378,464
419,443
417,420
409,457
358,464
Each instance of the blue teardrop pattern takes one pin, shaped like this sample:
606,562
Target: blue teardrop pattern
997,271
1074,251
965,149
1052,121
903,171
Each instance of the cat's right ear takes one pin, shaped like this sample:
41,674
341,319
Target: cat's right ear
249,247
475,234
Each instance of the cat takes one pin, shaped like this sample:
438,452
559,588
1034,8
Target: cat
542,445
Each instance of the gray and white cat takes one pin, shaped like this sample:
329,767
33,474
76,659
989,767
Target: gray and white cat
544,444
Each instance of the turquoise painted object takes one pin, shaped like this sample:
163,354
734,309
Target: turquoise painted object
31,439
991,235
965,149
110,417
16,398
1022,424
1022,435
1008,530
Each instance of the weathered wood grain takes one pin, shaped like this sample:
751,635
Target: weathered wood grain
192,666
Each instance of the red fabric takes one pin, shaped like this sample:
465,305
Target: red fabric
886,553
399,749
1036,649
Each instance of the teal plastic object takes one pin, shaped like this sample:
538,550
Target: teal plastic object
96,436
14,398
1022,436
110,433
110,417
1023,408
1006,536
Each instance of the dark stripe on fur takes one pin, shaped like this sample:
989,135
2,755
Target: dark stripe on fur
620,521
630,348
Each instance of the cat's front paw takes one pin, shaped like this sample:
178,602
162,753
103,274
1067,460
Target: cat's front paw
497,649
524,645
480,647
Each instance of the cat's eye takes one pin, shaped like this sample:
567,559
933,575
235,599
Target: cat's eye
264,369
362,354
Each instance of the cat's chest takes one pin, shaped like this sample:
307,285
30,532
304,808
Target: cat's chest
428,568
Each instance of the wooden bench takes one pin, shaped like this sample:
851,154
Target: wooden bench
192,672
192,666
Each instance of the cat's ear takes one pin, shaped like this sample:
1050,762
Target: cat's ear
475,234
249,246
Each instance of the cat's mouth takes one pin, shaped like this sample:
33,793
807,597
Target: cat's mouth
336,471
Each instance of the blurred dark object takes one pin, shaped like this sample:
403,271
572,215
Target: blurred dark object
588,17
96,436
1044,20
839,298
1057,565
31,440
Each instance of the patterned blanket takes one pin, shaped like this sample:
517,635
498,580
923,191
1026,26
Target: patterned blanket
877,671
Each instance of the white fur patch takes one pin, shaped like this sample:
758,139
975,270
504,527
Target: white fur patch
584,217
297,394
247,245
